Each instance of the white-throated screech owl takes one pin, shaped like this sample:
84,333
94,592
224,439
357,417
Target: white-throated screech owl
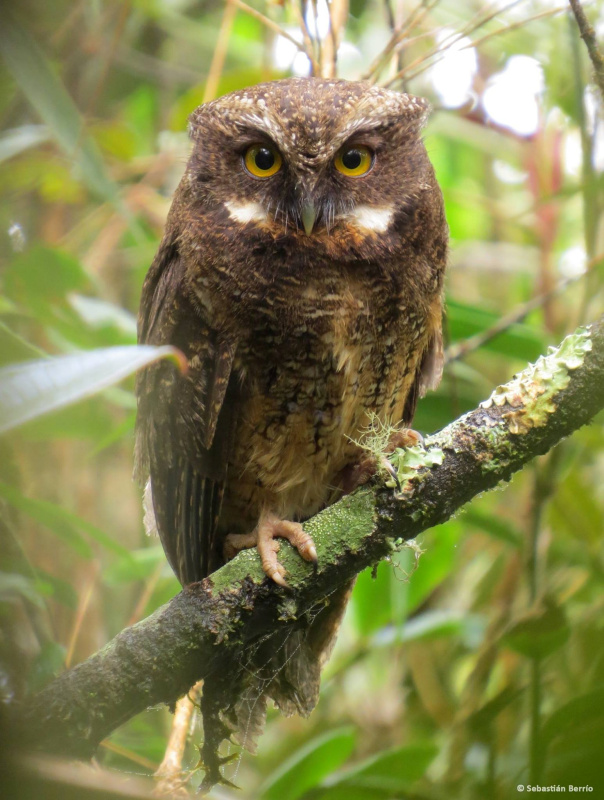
301,274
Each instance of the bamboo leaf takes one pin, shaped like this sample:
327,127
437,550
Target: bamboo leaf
47,94
309,765
391,772
68,526
34,388
16,141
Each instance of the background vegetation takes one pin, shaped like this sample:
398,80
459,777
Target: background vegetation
483,669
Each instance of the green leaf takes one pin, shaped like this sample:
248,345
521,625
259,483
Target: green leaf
540,631
29,390
102,314
43,275
65,524
117,434
47,94
431,625
518,340
577,511
14,585
574,715
371,605
496,526
14,348
436,563
91,420
309,765
480,721
48,664
389,772
349,793
60,590
17,140
136,566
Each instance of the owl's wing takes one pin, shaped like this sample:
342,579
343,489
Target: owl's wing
185,423
428,374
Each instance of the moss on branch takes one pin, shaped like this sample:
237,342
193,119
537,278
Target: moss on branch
211,623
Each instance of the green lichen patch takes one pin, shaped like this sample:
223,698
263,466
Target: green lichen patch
343,526
410,460
246,565
530,394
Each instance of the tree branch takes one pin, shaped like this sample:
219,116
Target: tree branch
589,37
212,623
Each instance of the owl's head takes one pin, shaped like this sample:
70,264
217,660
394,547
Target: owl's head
306,155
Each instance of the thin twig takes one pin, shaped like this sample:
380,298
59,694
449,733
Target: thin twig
513,26
272,25
589,184
316,38
125,752
467,346
338,15
309,47
413,20
109,56
499,32
589,37
453,38
170,776
220,51
82,608
141,605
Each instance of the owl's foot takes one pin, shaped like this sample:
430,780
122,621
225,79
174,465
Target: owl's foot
264,538
370,464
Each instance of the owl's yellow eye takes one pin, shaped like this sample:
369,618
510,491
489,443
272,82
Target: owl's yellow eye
262,160
354,161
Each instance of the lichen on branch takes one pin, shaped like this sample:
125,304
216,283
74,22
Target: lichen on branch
531,393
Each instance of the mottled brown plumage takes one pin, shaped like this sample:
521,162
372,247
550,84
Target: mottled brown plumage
306,302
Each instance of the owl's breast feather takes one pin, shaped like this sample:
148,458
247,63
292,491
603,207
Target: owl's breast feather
310,404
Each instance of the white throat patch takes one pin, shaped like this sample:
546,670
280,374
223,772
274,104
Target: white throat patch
246,212
371,218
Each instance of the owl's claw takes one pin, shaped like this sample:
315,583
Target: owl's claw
388,466
264,538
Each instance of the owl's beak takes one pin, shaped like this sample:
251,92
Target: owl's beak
309,216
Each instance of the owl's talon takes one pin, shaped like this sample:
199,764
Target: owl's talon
264,538
275,575
390,469
312,553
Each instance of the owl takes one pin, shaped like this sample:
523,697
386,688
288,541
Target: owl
301,274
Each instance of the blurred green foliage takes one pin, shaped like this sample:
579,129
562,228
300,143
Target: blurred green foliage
477,669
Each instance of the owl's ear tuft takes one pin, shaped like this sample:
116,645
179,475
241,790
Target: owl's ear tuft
394,109
195,122
207,116
414,109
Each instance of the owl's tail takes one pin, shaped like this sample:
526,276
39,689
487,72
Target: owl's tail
285,667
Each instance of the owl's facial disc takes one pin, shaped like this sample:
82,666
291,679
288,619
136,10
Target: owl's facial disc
309,191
